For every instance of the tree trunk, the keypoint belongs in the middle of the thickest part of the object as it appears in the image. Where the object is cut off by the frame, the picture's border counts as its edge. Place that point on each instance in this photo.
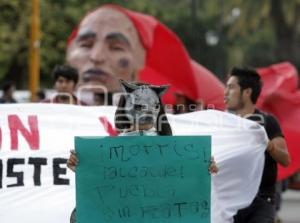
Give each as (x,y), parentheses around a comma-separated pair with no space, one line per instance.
(286,34)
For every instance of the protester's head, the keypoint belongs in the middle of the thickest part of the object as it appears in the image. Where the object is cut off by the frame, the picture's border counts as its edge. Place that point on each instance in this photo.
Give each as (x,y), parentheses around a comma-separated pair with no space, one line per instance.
(8,88)
(243,86)
(65,79)
(106,48)
(140,108)
(40,96)
(184,104)
(101,98)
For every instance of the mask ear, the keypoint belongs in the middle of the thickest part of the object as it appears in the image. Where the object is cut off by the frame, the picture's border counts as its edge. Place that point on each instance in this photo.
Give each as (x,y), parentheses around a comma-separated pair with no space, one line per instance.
(160,90)
(128,87)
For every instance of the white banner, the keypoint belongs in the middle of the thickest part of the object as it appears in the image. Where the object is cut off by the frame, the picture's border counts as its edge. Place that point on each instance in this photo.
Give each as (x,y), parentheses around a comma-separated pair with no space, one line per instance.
(35,140)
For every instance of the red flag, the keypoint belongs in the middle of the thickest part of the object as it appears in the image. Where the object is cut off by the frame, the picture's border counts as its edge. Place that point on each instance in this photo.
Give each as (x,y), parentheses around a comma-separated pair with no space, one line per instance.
(281,97)
(167,62)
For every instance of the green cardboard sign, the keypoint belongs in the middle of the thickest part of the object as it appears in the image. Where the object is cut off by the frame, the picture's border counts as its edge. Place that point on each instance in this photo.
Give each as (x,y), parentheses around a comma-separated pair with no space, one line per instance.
(136,179)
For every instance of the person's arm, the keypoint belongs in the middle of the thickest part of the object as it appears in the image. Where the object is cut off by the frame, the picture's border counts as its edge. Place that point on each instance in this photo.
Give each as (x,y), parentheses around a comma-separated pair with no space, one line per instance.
(73,160)
(277,148)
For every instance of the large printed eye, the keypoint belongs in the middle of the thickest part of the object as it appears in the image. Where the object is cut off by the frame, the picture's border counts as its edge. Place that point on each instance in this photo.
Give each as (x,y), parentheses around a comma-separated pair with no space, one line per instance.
(116,47)
(138,107)
(86,42)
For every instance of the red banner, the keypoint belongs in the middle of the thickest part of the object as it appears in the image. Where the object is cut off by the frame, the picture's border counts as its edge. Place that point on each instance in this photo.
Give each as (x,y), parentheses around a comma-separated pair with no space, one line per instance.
(281,97)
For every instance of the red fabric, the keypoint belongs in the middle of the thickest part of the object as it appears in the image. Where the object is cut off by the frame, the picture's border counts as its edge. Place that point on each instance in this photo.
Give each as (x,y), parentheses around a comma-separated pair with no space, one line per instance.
(108,126)
(209,86)
(72,36)
(167,62)
(281,97)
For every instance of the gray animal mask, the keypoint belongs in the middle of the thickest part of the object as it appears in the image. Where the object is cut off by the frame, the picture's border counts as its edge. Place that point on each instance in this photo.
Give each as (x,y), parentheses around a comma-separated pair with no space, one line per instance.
(142,102)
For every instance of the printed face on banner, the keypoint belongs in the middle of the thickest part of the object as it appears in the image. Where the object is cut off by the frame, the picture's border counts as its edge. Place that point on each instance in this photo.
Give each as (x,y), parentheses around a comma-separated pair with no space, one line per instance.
(107,48)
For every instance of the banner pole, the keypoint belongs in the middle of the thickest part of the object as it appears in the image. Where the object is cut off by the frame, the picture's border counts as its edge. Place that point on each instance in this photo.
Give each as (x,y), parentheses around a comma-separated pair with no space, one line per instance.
(34,54)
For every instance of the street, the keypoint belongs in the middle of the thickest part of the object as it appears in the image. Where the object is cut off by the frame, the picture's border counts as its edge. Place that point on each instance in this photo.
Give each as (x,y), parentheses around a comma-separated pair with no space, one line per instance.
(290,209)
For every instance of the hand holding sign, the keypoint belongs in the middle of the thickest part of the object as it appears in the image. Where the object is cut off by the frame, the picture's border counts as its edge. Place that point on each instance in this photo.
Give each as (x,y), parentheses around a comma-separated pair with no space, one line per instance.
(73,160)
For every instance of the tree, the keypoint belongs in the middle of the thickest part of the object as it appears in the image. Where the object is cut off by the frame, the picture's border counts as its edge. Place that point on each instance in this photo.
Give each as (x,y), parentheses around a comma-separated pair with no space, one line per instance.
(268,31)
(14,33)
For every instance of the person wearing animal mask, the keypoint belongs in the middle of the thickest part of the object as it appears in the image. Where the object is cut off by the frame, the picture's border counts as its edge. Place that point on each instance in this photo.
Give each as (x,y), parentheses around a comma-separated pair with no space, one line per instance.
(140,112)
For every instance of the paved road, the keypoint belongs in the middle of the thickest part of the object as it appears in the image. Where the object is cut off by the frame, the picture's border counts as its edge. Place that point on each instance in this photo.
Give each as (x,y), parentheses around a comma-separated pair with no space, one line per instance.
(290,210)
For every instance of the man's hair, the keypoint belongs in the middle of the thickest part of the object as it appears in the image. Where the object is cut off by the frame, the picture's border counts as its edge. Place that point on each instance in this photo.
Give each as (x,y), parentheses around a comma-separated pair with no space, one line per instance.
(41,94)
(7,85)
(248,78)
(65,71)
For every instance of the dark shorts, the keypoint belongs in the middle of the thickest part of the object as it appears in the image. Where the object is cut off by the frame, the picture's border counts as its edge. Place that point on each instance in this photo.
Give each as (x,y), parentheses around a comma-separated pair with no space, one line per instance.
(261,210)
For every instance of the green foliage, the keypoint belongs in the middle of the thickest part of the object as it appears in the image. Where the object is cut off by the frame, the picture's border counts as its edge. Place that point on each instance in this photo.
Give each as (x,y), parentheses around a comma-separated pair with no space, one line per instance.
(13,35)
(245,30)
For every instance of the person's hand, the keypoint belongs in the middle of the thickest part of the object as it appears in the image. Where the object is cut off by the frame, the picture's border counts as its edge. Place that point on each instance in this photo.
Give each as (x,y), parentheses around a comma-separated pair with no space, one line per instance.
(73,160)
(213,169)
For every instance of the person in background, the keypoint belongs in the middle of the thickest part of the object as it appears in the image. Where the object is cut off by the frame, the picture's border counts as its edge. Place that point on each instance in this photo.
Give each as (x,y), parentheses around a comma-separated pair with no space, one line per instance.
(140,112)
(8,89)
(184,105)
(40,96)
(101,98)
(242,90)
(65,81)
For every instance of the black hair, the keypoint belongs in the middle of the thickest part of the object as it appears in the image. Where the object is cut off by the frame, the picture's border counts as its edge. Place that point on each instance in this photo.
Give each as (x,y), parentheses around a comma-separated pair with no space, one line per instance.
(65,71)
(248,78)
(7,85)
(41,94)
(106,97)
(188,104)
(122,123)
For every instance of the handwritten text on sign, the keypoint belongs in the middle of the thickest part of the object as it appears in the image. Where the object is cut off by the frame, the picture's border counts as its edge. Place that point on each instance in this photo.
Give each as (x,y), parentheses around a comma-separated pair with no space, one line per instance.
(143,179)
